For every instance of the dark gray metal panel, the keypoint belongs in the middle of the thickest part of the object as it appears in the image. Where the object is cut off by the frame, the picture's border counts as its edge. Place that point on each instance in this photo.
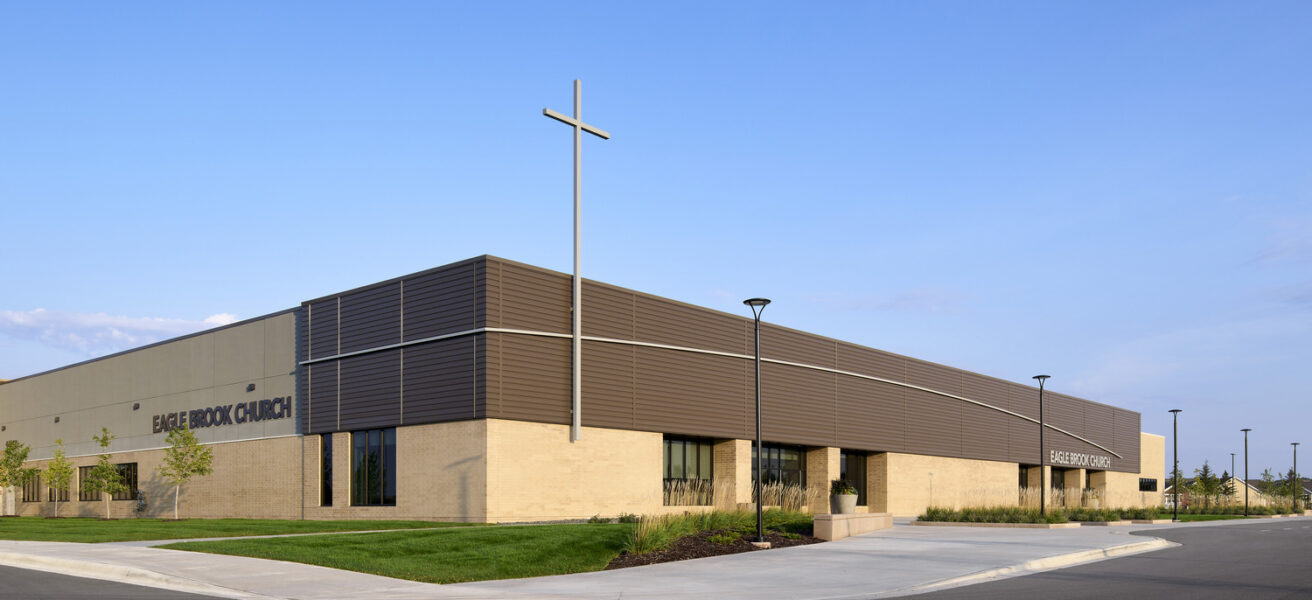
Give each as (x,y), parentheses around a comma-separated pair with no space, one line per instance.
(322,316)
(440,381)
(371,318)
(442,301)
(371,390)
(322,397)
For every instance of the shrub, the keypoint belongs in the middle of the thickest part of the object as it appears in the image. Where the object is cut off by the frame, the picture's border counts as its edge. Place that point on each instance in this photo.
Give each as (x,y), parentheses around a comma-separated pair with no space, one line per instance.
(627,518)
(840,487)
(725,538)
(598,519)
(657,532)
(992,514)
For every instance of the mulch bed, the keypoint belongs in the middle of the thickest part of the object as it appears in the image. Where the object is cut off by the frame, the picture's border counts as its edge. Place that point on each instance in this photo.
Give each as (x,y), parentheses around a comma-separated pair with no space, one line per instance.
(698,546)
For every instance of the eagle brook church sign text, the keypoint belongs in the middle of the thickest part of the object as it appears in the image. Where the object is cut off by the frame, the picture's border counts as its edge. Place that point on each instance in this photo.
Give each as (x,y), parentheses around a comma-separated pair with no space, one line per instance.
(227,414)
(1077,459)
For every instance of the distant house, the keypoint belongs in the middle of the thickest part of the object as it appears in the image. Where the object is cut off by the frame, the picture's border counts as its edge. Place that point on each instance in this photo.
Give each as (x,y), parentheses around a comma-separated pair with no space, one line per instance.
(1255,496)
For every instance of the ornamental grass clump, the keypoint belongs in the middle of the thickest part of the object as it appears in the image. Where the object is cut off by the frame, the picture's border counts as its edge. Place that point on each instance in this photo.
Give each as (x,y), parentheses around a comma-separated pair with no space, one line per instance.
(658,532)
(992,514)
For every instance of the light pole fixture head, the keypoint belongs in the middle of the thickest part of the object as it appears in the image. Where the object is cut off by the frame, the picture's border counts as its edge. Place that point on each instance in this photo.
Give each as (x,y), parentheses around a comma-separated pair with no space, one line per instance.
(757,304)
(1041,378)
(1175,410)
(1245,430)
(1294,443)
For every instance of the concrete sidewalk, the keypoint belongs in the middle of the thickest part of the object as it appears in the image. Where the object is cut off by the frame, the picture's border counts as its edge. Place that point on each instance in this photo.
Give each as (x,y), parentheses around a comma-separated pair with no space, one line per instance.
(891,562)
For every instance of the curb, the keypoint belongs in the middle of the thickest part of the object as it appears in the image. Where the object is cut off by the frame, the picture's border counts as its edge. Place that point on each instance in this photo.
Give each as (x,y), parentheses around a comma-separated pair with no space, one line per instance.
(1069,525)
(1041,564)
(121,574)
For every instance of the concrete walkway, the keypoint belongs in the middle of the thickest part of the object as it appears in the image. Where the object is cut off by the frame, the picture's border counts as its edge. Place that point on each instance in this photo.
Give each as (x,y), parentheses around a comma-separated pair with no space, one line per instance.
(893,562)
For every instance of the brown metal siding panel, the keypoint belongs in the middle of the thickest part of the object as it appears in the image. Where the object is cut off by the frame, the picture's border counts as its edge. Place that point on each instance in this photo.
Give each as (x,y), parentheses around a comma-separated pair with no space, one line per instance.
(1064,412)
(371,390)
(984,432)
(323,397)
(663,321)
(798,405)
(442,302)
(323,328)
(534,300)
(607,312)
(1125,426)
(871,415)
(1023,436)
(608,385)
(480,376)
(933,424)
(689,394)
(371,318)
(793,346)
(535,378)
(492,293)
(1098,425)
(440,381)
(867,361)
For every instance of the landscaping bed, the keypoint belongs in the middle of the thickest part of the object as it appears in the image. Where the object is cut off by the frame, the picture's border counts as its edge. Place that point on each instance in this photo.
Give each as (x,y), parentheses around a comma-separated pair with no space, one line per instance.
(91,529)
(710,543)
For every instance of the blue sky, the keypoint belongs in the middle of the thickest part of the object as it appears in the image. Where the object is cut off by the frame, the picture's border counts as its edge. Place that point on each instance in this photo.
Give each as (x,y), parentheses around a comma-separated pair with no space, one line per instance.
(1119,195)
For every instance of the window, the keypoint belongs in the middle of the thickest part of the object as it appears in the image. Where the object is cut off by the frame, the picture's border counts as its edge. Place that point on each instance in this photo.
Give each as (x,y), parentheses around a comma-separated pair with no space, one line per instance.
(326,469)
(1147,484)
(687,471)
(83,493)
(128,473)
(1024,479)
(373,467)
(1058,479)
(51,493)
(852,469)
(782,464)
(32,489)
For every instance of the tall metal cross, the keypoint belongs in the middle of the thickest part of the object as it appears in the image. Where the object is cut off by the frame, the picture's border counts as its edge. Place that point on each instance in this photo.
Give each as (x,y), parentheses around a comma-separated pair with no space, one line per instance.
(579,127)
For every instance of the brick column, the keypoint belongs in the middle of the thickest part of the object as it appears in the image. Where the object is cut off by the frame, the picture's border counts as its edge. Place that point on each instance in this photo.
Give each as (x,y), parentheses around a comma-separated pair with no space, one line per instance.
(877,482)
(733,473)
(822,466)
(341,470)
(1074,486)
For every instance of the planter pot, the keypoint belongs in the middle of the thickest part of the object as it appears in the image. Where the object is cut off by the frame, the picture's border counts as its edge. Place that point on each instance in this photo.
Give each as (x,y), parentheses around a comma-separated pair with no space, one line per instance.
(842,504)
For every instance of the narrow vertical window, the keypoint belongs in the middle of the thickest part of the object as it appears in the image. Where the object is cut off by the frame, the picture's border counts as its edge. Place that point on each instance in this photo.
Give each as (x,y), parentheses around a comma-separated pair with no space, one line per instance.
(852,469)
(687,471)
(373,467)
(32,489)
(325,469)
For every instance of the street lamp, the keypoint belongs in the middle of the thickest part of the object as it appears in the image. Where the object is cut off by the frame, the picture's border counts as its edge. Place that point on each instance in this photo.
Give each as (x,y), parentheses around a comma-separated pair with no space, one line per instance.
(758,307)
(1175,453)
(1245,470)
(1298,481)
(1043,474)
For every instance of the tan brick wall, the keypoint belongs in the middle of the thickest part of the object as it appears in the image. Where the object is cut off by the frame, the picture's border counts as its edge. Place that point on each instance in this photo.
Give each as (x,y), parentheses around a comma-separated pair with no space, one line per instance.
(257,479)
(733,472)
(822,467)
(535,473)
(441,475)
(957,482)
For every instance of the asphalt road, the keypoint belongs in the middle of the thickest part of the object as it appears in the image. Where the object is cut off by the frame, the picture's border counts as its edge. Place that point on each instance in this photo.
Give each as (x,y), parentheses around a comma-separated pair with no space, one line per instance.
(1250,561)
(36,585)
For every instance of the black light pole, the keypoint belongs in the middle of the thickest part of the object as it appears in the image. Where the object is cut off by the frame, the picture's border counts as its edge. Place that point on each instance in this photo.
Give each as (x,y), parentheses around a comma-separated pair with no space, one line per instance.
(1245,470)
(1043,475)
(758,307)
(1175,453)
(1298,481)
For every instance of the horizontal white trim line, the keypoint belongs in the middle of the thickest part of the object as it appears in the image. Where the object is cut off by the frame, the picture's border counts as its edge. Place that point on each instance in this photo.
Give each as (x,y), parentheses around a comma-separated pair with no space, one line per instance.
(254,439)
(713,353)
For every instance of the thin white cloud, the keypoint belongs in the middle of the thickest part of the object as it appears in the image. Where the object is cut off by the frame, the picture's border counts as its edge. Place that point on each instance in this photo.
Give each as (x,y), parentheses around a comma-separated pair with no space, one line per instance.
(95,334)
(1291,242)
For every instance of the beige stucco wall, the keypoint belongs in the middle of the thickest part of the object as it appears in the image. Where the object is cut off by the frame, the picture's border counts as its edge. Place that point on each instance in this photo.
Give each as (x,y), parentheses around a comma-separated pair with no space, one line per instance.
(257,479)
(204,370)
(536,474)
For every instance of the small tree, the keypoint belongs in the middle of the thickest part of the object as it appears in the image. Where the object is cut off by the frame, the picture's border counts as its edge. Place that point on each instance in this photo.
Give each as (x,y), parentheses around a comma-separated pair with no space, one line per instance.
(1206,484)
(105,476)
(184,459)
(1227,485)
(12,472)
(1268,484)
(58,473)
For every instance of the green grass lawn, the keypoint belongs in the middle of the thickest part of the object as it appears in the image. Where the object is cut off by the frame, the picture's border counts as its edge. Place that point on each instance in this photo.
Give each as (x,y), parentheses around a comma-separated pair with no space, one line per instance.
(93,530)
(444,555)
(1187,518)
